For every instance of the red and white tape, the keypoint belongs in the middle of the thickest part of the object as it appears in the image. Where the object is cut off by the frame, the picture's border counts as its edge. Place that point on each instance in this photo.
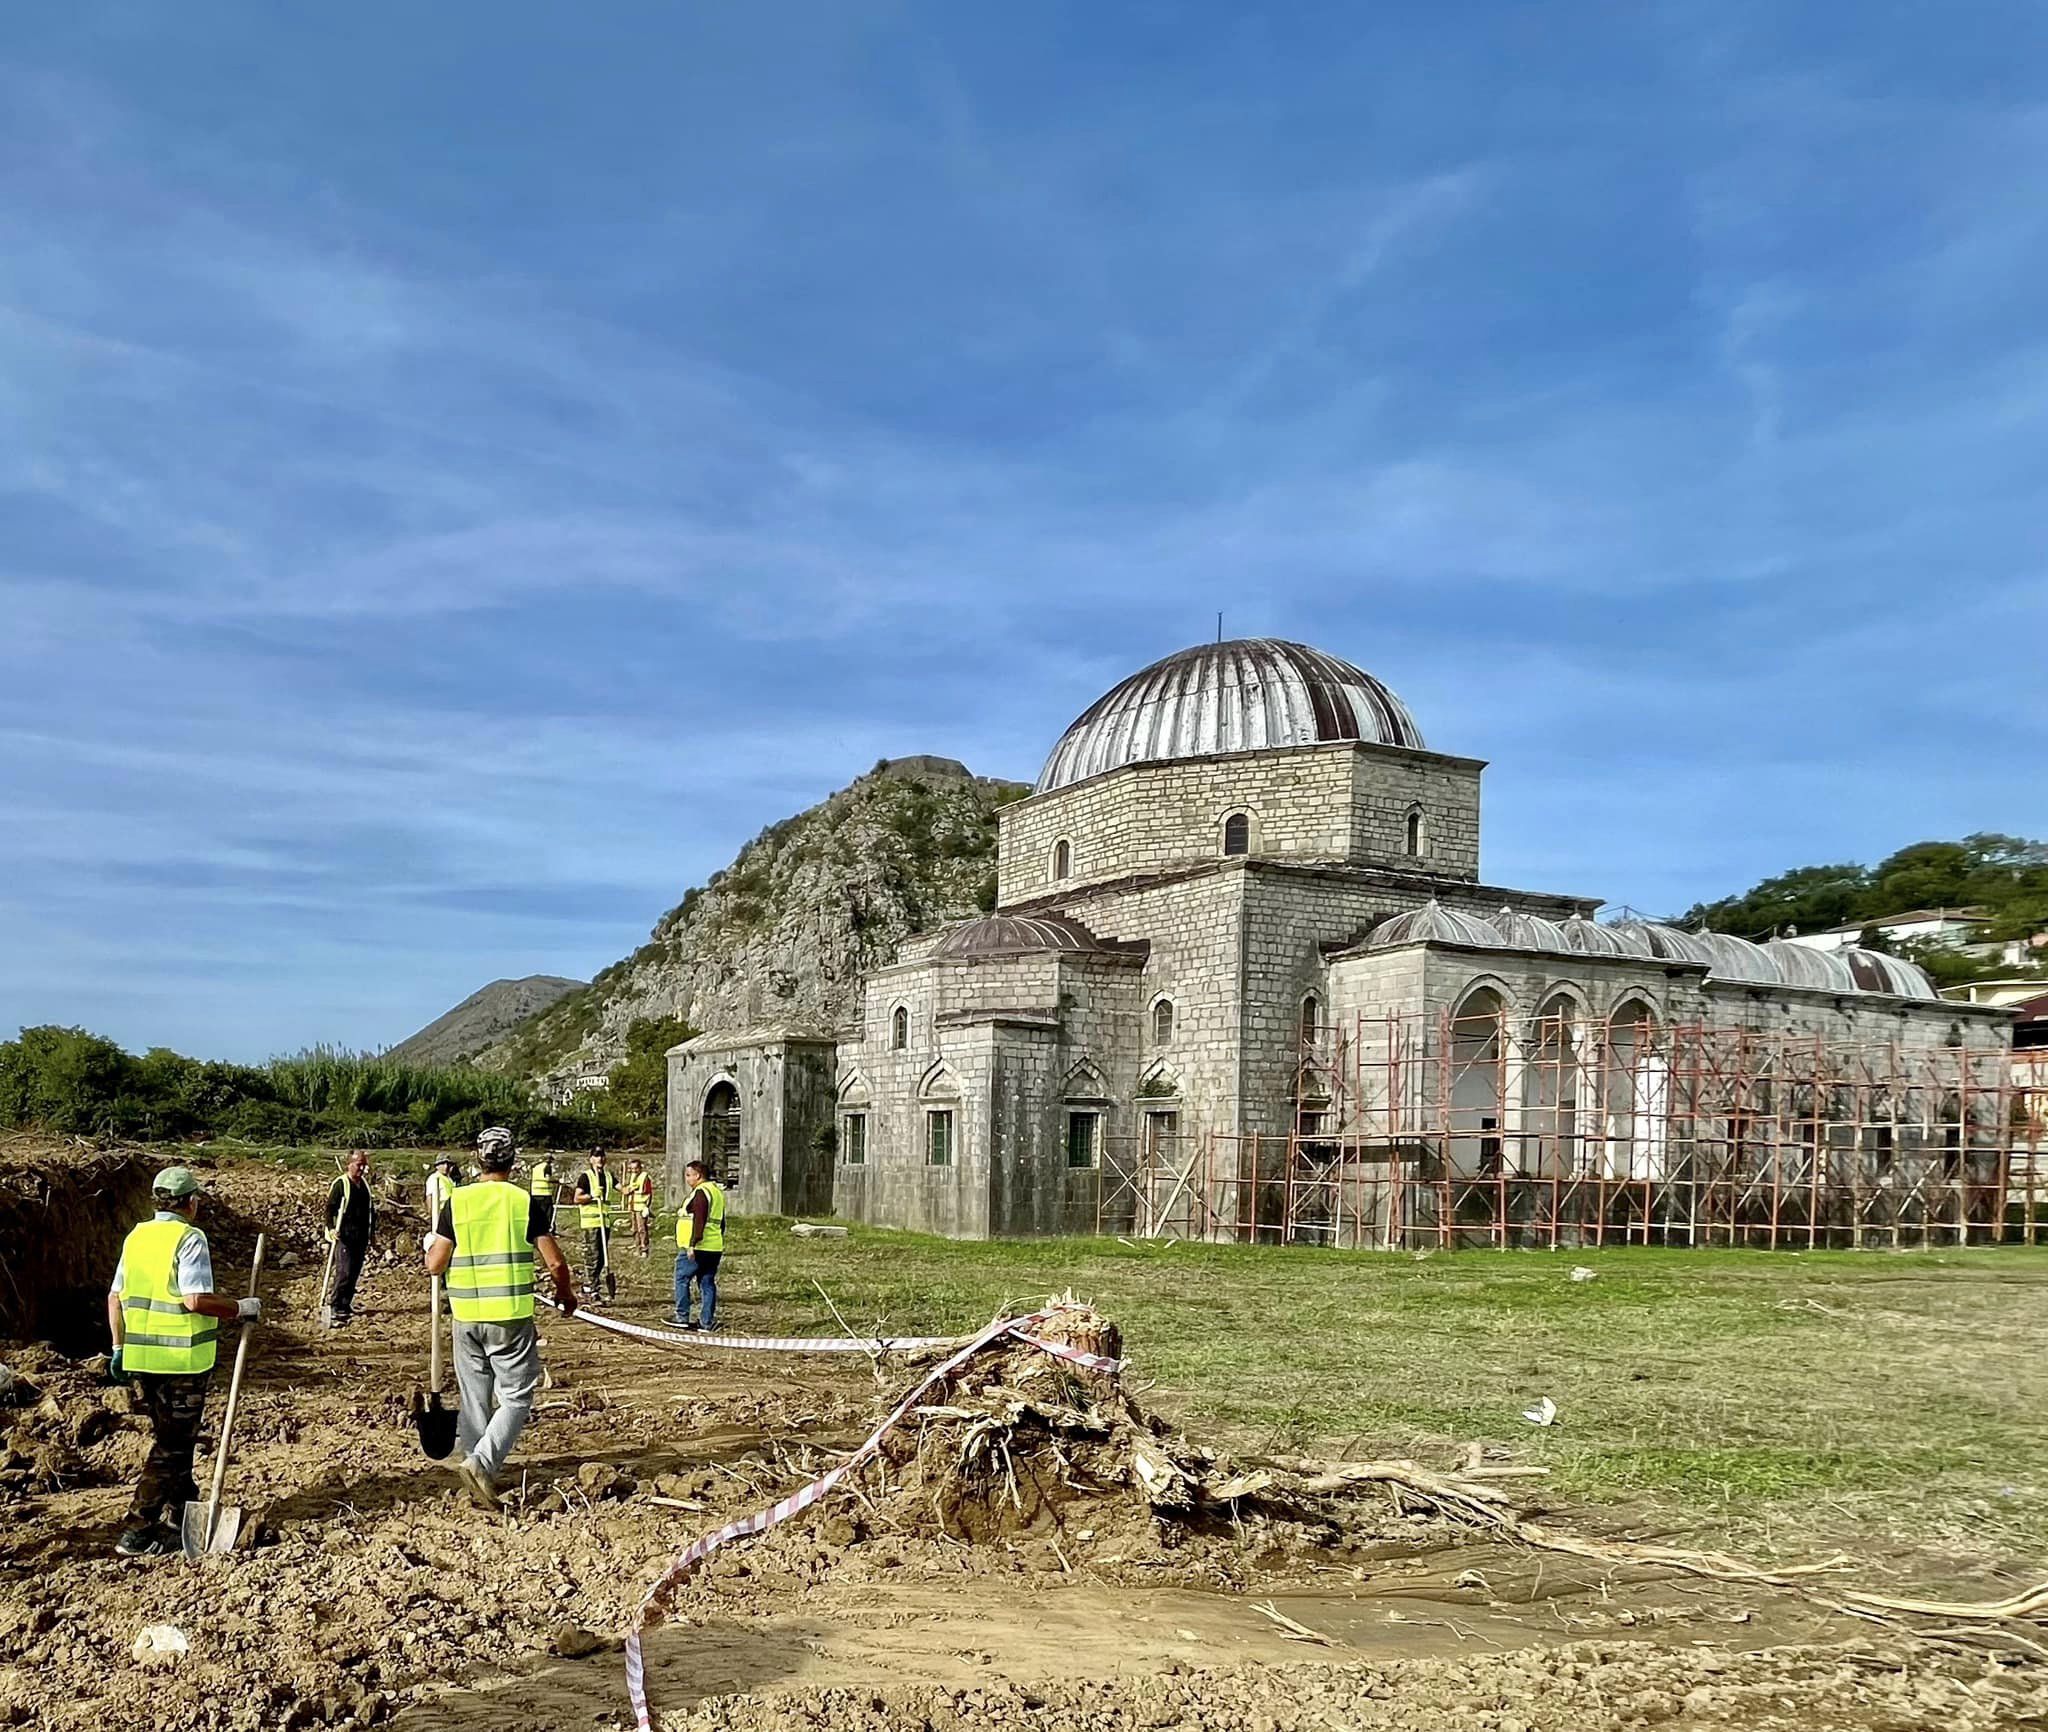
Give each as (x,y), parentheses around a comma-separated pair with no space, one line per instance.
(759,1343)
(660,1600)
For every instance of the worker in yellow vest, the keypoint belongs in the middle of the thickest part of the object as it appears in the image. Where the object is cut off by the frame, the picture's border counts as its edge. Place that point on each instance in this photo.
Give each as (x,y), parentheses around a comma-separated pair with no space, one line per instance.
(540,1175)
(640,1204)
(700,1246)
(597,1198)
(484,1241)
(164,1318)
(443,1181)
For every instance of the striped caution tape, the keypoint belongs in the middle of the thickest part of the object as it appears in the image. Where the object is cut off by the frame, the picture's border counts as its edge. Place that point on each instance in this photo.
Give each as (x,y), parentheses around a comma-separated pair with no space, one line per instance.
(760,1343)
(661,1598)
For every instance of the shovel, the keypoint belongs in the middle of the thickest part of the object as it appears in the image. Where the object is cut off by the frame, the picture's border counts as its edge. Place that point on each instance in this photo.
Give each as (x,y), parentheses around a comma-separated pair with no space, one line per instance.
(434,1423)
(207,1527)
(604,1244)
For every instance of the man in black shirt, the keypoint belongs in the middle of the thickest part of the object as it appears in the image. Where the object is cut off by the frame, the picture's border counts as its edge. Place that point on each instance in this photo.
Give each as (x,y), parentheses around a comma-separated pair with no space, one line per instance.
(350,1216)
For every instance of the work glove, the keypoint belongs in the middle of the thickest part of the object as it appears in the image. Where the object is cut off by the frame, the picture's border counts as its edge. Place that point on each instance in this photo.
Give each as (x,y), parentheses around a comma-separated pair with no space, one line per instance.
(249,1309)
(116,1371)
(426,1241)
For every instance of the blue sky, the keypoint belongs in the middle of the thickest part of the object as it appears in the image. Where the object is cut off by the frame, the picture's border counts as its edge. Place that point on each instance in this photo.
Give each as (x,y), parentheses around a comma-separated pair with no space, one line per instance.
(464,469)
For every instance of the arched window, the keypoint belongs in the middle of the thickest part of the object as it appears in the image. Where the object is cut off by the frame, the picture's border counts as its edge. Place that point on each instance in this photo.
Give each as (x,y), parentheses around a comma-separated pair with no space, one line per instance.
(1415,831)
(1162,1022)
(1311,1020)
(1062,858)
(899,1028)
(1237,834)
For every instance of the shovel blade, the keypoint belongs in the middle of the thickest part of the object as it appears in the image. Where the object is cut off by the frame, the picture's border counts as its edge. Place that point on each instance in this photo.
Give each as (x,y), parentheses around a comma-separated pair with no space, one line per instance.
(227,1528)
(436,1426)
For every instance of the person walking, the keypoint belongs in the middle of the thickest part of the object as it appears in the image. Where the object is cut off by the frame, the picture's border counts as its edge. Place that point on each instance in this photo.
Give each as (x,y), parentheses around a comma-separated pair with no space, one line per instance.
(640,1203)
(351,1213)
(484,1241)
(597,1197)
(443,1180)
(165,1320)
(700,1246)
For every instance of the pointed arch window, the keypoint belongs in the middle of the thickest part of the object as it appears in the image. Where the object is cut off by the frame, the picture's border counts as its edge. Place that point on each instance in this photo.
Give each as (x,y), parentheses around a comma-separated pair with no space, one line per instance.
(1415,832)
(899,1028)
(1162,1022)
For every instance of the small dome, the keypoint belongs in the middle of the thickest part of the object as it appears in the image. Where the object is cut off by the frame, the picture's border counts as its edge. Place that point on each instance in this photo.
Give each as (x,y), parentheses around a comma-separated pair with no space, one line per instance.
(994,935)
(1876,972)
(1589,938)
(1519,931)
(1732,958)
(1433,922)
(1802,965)
(1251,694)
(1666,943)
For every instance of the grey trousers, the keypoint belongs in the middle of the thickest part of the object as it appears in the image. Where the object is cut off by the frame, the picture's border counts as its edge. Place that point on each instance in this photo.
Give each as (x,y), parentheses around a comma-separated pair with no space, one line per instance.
(497,1368)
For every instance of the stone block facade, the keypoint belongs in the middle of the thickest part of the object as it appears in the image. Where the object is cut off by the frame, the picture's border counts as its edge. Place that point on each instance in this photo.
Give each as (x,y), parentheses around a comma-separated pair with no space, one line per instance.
(1347,803)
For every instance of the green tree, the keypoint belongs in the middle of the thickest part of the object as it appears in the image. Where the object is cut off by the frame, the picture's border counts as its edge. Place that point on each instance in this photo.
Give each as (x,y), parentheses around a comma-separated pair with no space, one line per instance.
(638,1084)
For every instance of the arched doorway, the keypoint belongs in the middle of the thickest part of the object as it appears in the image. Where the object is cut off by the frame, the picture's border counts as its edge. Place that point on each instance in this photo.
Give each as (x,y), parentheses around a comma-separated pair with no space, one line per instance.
(1638,1090)
(1477,1063)
(1553,1091)
(720,1146)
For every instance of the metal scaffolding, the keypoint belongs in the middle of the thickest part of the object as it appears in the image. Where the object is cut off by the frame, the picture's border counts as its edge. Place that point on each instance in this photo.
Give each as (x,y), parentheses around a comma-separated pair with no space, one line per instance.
(1484,1128)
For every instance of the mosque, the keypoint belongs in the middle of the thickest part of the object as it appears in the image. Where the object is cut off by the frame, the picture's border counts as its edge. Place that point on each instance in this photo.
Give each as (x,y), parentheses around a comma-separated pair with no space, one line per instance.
(1244,980)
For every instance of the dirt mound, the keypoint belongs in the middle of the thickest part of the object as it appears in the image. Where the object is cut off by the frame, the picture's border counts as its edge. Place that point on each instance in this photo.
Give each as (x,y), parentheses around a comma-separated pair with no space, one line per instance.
(1026,1463)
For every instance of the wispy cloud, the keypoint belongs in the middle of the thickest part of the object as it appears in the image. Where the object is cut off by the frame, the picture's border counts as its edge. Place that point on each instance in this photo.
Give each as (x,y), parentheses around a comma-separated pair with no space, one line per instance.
(430,545)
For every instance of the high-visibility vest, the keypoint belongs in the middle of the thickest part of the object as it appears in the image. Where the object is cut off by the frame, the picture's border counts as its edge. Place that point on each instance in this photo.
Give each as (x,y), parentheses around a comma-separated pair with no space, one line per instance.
(543,1179)
(158,1334)
(490,1277)
(640,1199)
(714,1221)
(440,1188)
(604,1206)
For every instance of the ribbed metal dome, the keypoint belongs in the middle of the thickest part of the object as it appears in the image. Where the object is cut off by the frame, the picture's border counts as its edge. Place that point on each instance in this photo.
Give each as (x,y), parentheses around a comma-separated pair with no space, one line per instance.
(1433,923)
(1014,935)
(1246,695)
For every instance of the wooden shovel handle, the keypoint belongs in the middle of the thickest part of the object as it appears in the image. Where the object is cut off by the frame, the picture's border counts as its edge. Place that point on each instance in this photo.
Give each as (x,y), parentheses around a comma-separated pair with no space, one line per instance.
(227,1421)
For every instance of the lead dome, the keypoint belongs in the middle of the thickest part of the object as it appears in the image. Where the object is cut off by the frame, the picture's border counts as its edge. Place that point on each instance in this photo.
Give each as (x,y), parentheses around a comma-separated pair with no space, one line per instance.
(1246,695)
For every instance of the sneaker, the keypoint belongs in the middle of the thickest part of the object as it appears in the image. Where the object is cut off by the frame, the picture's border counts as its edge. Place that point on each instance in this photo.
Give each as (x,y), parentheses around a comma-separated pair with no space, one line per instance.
(481,1492)
(144,1543)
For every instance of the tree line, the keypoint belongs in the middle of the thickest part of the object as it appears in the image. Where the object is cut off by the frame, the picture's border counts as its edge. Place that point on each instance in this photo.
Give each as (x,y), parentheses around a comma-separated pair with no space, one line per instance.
(73,1082)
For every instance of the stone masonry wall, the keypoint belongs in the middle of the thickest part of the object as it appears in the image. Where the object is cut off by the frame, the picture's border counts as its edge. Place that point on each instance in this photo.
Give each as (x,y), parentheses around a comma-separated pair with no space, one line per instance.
(1340,803)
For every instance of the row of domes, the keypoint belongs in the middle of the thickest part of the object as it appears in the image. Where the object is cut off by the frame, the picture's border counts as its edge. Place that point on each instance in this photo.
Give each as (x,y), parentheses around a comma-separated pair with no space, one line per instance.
(1725,957)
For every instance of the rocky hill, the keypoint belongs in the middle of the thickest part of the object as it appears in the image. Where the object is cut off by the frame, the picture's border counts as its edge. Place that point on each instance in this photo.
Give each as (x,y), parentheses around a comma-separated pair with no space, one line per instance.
(785,932)
(483,1018)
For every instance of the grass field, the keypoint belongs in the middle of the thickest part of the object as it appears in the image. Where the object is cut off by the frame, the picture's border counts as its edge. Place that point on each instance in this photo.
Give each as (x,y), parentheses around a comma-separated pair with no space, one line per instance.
(1781,1400)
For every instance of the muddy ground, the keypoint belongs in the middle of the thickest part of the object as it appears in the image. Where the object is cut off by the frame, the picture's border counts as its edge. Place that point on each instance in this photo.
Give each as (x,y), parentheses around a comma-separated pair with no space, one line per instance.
(375,1596)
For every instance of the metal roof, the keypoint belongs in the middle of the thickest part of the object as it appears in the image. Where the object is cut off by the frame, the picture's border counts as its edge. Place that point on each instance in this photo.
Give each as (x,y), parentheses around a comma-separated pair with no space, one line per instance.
(1725,956)
(1434,923)
(1249,694)
(1015,935)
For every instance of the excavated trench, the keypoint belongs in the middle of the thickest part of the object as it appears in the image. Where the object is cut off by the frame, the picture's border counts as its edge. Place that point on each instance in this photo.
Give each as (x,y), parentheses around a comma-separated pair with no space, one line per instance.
(63,1215)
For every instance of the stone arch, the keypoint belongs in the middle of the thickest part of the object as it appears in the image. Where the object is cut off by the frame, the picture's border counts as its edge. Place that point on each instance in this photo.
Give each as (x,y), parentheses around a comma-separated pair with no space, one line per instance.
(1084,1082)
(939,1083)
(899,1028)
(719,1127)
(1554,1082)
(1478,1050)
(1635,1091)
(854,1090)
(1162,1017)
(1311,1017)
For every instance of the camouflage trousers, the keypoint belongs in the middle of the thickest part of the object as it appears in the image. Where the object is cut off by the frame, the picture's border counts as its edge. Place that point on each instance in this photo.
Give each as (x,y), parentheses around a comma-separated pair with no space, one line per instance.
(175,1406)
